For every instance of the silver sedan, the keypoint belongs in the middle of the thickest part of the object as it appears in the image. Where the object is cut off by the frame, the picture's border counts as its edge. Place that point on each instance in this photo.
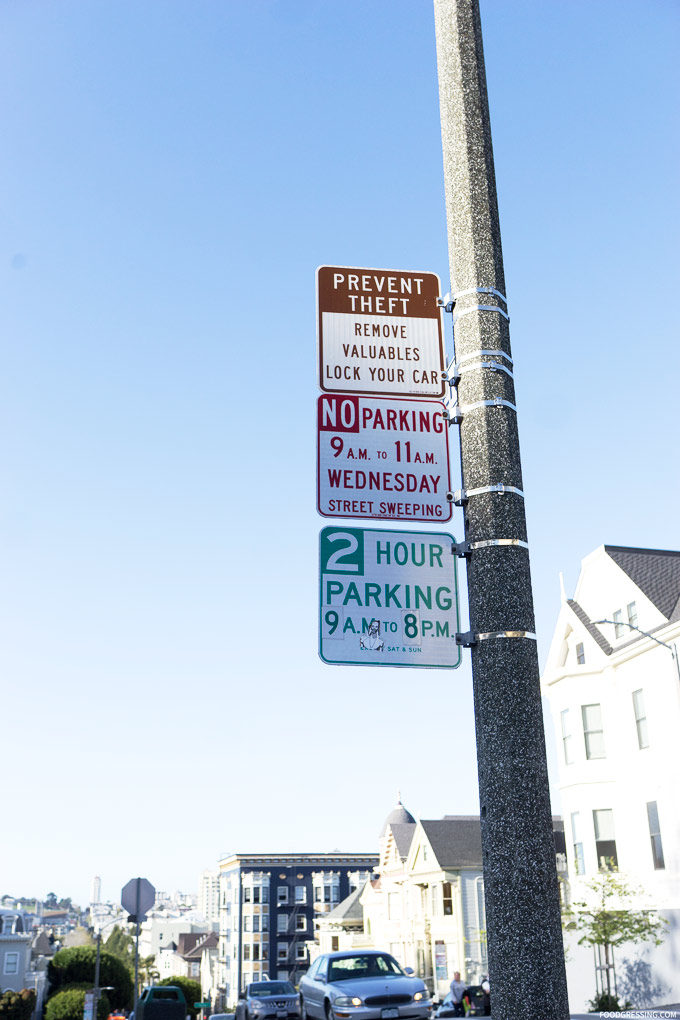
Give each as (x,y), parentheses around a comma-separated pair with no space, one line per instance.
(366,985)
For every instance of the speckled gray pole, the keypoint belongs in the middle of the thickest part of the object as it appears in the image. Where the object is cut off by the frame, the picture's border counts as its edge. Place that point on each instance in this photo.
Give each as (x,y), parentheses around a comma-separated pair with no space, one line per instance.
(526,959)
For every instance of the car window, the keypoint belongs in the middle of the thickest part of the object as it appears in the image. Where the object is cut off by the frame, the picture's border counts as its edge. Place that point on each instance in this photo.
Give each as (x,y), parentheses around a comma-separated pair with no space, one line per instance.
(262,988)
(349,968)
(315,966)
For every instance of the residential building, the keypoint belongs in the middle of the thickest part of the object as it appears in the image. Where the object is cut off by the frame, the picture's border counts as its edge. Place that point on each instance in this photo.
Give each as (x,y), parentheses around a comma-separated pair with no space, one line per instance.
(183,958)
(425,904)
(268,903)
(23,963)
(157,933)
(614,694)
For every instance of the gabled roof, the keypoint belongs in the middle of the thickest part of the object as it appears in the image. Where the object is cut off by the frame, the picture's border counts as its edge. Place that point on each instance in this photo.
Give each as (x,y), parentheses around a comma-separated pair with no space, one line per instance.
(402,833)
(349,909)
(205,940)
(590,626)
(656,572)
(456,841)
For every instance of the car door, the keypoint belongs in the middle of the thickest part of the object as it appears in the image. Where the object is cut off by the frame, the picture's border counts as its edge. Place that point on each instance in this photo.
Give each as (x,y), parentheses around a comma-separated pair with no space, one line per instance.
(315,987)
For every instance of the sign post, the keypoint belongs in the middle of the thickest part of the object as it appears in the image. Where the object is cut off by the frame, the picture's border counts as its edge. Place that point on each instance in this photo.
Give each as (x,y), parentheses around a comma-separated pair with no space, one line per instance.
(380,332)
(137,896)
(388,598)
(383,458)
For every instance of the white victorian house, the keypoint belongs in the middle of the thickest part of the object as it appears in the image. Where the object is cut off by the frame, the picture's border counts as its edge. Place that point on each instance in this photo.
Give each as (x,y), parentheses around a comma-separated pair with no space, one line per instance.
(614,694)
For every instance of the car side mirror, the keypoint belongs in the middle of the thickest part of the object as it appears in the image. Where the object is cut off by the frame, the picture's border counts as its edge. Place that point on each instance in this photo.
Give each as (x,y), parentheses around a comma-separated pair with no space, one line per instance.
(319,977)
(409,971)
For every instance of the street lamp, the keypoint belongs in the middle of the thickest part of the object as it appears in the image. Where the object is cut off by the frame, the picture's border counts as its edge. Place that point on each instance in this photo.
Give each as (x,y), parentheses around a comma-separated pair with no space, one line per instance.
(97,989)
(664,644)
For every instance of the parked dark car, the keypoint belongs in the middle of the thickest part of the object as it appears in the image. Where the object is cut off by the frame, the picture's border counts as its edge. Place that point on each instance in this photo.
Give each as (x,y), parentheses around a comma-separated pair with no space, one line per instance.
(161,1002)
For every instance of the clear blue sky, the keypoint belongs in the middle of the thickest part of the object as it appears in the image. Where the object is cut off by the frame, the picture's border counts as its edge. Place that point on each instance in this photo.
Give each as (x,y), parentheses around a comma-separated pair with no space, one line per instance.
(172,172)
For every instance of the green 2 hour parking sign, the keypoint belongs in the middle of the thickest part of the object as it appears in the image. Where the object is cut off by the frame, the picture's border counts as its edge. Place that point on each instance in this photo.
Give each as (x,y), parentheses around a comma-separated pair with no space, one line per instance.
(388,598)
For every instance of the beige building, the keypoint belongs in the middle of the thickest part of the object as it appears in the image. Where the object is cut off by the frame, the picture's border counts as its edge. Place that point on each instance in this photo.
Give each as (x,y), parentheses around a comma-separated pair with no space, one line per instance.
(425,905)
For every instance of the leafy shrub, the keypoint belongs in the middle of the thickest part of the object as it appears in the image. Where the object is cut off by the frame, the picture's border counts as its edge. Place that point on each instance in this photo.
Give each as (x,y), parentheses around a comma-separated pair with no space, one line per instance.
(17,1005)
(76,966)
(69,1003)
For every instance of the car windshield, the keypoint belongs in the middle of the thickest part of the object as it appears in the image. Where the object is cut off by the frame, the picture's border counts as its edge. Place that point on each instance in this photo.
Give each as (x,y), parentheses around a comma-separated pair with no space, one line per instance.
(271,988)
(348,968)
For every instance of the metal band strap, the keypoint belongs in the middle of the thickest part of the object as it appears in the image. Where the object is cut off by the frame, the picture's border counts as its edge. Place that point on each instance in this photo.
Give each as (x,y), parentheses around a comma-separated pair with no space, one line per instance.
(460,496)
(480,308)
(496,402)
(495,366)
(481,354)
(506,633)
(479,290)
(487,542)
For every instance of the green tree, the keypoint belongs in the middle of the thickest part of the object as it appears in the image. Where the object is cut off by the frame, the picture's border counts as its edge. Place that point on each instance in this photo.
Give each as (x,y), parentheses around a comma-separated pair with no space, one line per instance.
(147,969)
(76,966)
(121,944)
(17,1005)
(51,901)
(69,1003)
(607,919)
(191,989)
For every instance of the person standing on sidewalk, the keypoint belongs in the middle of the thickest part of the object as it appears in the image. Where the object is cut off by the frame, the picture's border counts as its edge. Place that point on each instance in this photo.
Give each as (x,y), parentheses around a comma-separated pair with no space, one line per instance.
(457,990)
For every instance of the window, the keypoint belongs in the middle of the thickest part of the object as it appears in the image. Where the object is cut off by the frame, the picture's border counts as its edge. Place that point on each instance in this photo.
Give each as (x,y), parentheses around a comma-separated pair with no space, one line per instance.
(631,609)
(318,894)
(605,843)
(580,654)
(640,719)
(327,894)
(447,898)
(579,863)
(264,922)
(300,894)
(247,919)
(256,922)
(655,835)
(592,731)
(264,952)
(247,891)
(281,922)
(301,951)
(566,736)
(256,951)
(265,894)
(335,943)
(282,951)
(300,923)
(11,963)
(282,894)
(256,894)
(394,906)
(619,627)
(246,951)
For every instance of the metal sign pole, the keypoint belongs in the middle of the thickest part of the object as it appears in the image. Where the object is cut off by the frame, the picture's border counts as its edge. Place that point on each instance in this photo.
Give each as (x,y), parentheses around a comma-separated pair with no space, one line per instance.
(526,957)
(137,908)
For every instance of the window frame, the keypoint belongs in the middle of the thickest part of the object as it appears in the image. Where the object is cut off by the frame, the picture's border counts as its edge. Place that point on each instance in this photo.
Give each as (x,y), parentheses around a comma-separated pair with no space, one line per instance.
(589,734)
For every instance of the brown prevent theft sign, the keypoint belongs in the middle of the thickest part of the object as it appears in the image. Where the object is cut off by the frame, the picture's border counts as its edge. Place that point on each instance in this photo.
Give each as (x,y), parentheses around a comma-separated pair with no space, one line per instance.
(380,332)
